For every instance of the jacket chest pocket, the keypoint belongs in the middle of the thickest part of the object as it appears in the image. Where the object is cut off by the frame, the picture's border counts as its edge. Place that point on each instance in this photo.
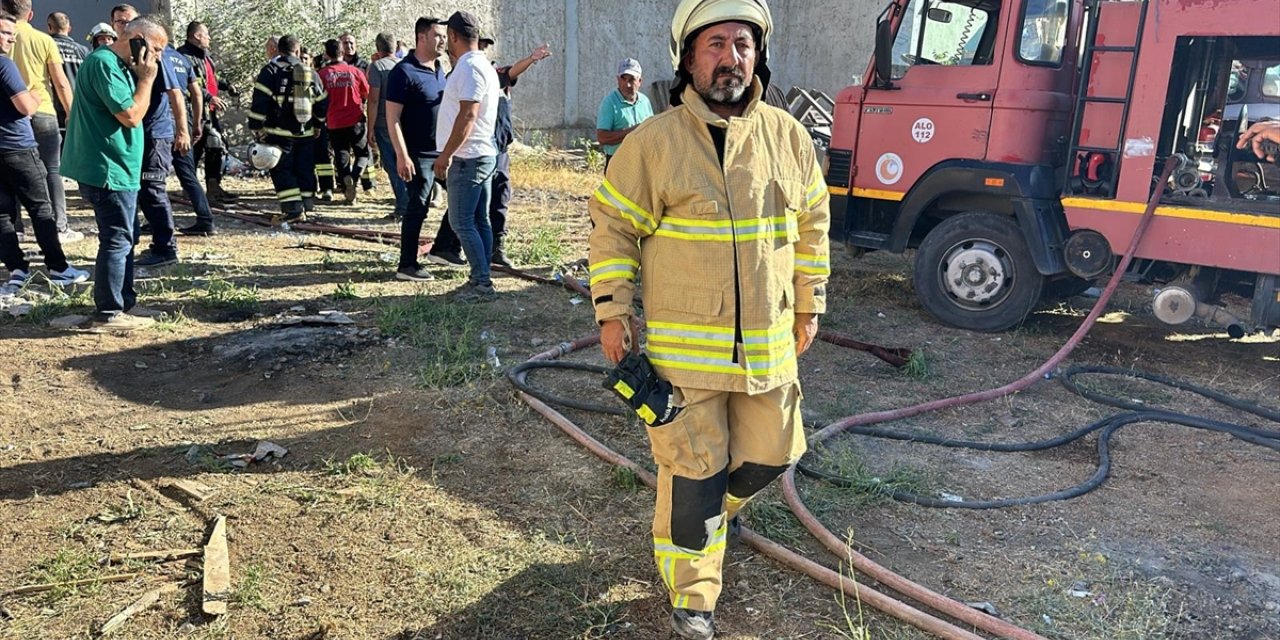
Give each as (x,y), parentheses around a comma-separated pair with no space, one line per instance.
(787,201)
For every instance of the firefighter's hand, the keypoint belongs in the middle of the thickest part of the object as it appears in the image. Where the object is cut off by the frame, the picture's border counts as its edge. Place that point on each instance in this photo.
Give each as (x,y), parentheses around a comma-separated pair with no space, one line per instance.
(1267,130)
(613,340)
(218,103)
(182,143)
(441,167)
(405,168)
(806,330)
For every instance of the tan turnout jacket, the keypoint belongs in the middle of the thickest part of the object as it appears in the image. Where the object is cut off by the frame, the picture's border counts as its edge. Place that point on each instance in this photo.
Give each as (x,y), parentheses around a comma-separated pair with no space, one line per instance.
(727,254)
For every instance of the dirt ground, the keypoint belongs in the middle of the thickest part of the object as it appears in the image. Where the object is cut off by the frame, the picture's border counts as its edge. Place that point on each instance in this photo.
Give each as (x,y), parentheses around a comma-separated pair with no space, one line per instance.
(421,499)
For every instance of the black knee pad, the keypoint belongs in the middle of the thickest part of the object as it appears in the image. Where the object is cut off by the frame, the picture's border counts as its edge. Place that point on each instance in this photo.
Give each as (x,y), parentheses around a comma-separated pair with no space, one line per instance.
(693,502)
(750,478)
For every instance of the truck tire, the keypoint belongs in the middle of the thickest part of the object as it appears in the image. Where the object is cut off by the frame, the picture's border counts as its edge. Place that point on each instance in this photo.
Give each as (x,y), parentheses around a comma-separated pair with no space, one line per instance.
(973,271)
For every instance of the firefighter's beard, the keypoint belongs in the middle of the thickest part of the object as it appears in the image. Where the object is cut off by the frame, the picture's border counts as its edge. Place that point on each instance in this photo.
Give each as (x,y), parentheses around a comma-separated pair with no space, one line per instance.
(727,86)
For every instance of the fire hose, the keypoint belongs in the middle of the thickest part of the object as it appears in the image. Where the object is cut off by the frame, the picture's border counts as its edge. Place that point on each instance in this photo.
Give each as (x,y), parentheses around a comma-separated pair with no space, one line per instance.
(914,591)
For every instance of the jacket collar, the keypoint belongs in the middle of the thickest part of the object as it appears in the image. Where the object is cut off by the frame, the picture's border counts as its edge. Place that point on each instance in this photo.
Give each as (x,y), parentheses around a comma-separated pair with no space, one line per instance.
(699,107)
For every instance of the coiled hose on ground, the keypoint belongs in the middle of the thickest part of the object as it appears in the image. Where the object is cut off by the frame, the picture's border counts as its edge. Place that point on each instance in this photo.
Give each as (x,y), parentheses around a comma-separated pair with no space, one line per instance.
(891,606)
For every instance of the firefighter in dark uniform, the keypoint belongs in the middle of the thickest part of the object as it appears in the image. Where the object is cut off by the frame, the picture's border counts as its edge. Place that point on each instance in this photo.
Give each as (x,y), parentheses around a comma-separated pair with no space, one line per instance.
(325,171)
(288,111)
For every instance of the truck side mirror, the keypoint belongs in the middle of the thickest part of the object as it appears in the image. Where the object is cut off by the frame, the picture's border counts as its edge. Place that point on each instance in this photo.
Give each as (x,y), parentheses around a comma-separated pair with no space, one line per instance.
(884,55)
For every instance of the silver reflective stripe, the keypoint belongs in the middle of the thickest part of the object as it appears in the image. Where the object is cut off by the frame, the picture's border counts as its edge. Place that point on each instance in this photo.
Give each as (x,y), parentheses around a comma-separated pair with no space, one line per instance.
(725,337)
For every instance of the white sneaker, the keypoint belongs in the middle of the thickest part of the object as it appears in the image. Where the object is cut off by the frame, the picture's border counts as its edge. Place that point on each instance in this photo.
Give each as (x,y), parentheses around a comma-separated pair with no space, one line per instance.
(69,236)
(17,279)
(68,276)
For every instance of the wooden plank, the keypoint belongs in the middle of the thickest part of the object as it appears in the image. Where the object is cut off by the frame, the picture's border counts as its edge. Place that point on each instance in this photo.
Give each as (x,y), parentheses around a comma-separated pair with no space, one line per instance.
(168,554)
(36,589)
(146,601)
(195,490)
(217,570)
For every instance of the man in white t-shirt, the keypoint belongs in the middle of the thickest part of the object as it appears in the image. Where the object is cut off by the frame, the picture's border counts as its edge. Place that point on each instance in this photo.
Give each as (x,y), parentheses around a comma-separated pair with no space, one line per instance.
(468,152)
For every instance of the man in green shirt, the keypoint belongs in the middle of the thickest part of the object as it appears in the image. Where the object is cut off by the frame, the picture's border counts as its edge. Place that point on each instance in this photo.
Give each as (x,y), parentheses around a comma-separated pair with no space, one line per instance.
(623,109)
(104,154)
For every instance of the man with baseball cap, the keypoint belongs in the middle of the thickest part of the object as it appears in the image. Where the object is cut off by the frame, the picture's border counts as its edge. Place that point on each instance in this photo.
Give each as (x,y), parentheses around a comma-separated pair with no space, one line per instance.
(468,152)
(728,188)
(623,109)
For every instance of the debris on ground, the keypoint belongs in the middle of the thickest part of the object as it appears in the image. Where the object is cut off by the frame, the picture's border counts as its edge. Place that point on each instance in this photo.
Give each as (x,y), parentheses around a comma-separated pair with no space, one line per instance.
(217,570)
(197,491)
(41,588)
(265,452)
(330,317)
(146,601)
(162,556)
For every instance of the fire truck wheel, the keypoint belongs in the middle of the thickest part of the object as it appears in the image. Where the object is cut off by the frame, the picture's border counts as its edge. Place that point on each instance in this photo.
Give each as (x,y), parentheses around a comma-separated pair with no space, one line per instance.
(974,271)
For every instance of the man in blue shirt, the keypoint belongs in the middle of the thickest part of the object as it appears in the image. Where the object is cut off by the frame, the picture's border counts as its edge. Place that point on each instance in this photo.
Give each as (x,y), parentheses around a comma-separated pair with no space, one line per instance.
(22,180)
(414,91)
(623,109)
(160,131)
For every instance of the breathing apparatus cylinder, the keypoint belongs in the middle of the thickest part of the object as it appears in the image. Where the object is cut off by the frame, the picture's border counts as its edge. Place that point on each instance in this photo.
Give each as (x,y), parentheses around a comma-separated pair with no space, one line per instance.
(301,97)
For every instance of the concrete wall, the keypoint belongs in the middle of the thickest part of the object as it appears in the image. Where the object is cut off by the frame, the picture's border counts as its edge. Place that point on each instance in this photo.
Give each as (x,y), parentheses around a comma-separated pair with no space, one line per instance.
(818,44)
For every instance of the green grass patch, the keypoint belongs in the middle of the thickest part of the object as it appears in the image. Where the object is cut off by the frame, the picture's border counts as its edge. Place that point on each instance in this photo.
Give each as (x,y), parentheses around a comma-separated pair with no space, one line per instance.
(248,591)
(626,480)
(871,487)
(222,294)
(345,291)
(546,247)
(67,565)
(917,367)
(447,334)
(360,464)
(774,521)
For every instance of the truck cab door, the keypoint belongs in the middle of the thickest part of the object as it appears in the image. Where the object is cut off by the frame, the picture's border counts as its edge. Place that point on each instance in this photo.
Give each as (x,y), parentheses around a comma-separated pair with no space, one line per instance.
(946,63)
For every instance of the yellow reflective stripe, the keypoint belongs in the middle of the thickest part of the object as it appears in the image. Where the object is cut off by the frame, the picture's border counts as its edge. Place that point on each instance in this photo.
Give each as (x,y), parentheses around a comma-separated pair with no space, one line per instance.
(685,340)
(257,116)
(625,389)
(323,96)
(258,86)
(729,498)
(726,230)
(647,414)
(640,219)
(705,328)
(619,268)
(816,190)
(812,264)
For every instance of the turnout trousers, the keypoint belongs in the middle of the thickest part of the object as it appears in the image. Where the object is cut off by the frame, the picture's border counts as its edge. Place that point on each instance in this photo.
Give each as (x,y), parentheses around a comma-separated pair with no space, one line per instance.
(294,177)
(718,453)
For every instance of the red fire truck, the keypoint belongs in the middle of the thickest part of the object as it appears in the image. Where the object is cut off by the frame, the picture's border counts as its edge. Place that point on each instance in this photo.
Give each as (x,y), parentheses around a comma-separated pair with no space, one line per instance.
(1014,143)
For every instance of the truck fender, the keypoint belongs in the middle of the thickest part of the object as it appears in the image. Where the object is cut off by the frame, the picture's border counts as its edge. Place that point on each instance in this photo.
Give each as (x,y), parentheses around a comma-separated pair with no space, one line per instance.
(1027,192)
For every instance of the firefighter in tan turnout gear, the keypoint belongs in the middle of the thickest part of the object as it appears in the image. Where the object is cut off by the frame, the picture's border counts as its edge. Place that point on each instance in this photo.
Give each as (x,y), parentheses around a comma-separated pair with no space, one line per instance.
(720,208)
(288,112)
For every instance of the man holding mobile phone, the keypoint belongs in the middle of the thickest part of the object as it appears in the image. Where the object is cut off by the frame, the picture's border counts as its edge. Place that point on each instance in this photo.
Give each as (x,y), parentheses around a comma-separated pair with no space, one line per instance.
(104,154)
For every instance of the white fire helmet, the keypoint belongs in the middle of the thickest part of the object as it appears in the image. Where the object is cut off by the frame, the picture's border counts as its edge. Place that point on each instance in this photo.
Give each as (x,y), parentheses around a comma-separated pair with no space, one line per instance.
(692,15)
(264,156)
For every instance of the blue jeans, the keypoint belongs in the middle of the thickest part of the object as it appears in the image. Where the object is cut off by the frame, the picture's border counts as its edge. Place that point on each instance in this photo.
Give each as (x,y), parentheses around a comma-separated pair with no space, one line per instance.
(470,184)
(184,165)
(115,212)
(387,156)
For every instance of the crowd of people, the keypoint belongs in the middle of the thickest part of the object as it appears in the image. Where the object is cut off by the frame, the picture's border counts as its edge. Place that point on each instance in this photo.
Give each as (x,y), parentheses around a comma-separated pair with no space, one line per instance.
(118,116)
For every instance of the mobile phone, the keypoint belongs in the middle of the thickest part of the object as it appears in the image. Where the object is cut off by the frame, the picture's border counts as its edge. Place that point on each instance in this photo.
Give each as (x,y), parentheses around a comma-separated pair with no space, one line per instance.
(136,45)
